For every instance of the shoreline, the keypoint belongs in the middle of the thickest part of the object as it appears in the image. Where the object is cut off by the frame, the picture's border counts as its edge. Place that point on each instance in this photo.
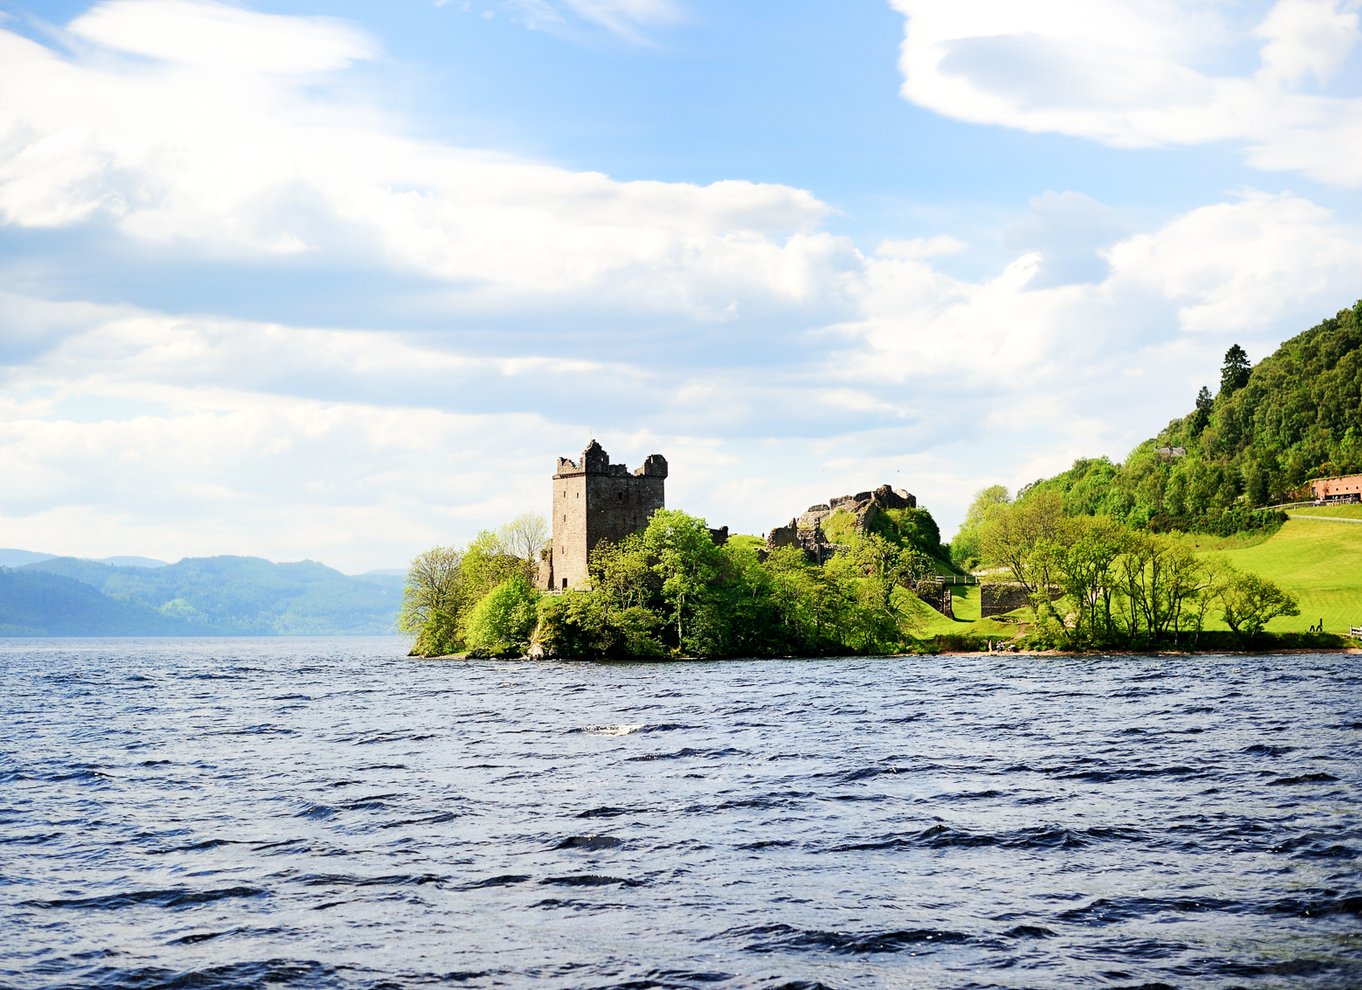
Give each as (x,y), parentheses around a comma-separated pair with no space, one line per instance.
(1033,654)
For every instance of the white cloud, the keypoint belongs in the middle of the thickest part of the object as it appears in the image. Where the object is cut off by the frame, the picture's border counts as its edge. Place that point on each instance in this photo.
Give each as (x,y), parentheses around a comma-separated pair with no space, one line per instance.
(921,247)
(237,148)
(1258,264)
(211,36)
(1139,73)
(1249,265)
(774,363)
(1307,38)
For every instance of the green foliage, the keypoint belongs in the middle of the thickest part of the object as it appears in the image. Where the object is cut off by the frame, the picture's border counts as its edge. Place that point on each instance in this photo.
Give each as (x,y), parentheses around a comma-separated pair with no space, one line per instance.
(910,528)
(670,589)
(1094,582)
(588,624)
(500,623)
(684,556)
(1234,373)
(965,550)
(1248,602)
(445,586)
(1295,416)
(1201,414)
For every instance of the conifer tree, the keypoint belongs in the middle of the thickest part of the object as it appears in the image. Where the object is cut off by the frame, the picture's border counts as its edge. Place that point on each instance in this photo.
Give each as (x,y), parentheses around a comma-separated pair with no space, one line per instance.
(1234,373)
(1202,415)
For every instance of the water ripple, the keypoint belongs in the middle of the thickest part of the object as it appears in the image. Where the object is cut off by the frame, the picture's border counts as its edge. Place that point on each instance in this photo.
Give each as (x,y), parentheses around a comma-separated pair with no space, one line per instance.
(329,813)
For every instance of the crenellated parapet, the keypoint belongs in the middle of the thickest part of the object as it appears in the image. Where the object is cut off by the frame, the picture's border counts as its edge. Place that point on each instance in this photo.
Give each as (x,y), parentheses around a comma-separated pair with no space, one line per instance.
(595,460)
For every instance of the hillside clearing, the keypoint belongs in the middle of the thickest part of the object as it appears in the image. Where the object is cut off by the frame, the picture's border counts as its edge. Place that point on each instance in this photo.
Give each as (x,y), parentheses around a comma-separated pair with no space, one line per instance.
(1319,562)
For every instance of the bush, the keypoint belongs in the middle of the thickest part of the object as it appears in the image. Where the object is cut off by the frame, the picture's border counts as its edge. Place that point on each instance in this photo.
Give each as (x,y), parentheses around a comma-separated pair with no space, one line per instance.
(501,622)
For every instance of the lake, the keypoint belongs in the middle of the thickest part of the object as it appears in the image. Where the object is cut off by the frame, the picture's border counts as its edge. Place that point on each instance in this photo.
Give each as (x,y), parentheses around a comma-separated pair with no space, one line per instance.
(329,813)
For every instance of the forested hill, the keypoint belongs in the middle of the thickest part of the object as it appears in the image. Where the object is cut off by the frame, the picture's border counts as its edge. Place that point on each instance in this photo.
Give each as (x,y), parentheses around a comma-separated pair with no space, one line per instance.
(197,596)
(1267,430)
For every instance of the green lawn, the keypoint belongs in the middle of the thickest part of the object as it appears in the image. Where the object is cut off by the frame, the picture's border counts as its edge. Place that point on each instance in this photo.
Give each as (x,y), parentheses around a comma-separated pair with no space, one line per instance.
(1320,562)
(1346,511)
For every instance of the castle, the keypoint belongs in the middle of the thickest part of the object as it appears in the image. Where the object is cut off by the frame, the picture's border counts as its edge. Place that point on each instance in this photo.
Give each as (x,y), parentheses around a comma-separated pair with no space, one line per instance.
(594,500)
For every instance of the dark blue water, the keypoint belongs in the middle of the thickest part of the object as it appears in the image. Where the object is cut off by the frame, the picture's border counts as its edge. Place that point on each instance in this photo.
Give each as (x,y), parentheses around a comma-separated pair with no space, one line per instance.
(327,813)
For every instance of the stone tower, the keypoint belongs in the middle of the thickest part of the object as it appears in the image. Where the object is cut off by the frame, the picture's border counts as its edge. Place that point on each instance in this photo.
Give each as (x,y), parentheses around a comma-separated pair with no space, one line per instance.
(595,500)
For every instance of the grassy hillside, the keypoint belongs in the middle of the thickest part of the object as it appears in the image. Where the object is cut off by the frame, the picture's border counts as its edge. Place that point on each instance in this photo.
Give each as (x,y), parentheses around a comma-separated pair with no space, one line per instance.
(1320,562)
(1296,415)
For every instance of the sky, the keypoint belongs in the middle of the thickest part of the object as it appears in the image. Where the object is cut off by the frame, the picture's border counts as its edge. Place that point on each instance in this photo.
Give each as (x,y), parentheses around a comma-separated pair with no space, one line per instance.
(339,280)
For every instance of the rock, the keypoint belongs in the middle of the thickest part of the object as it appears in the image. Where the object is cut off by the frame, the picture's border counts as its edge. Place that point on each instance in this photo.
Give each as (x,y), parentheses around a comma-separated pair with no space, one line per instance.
(893,498)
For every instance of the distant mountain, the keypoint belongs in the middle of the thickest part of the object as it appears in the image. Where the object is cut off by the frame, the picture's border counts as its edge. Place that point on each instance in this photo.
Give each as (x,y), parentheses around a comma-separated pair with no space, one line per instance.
(19,558)
(209,596)
(132,561)
(52,605)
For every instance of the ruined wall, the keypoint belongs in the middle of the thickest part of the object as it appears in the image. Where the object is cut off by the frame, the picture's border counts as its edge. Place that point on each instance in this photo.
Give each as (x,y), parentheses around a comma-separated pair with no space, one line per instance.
(806,530)
(998,599)
(595,500)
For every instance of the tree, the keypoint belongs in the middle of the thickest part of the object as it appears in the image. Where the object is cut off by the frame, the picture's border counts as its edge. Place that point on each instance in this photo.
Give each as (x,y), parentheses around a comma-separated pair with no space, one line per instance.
(965,546)
(1010,533)
(487,562)
(1201,415)
(1234,373)
(1086,574)
(685,557)
(1248,603)
(501,622)
(525,536)
(431,601)
(622,572)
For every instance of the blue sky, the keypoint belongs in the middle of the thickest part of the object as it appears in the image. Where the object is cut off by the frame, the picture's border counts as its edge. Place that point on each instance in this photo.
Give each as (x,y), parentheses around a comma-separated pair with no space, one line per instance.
(341,280)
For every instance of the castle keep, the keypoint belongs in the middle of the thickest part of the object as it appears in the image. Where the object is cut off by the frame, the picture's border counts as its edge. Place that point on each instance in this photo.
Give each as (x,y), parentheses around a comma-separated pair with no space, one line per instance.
(595,500)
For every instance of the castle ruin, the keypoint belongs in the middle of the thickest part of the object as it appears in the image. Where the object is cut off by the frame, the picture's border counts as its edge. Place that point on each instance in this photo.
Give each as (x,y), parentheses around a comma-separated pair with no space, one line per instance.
(594,500)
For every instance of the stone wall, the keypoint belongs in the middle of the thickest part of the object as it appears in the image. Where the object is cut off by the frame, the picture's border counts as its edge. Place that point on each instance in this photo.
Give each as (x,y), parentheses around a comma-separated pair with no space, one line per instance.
(999,599)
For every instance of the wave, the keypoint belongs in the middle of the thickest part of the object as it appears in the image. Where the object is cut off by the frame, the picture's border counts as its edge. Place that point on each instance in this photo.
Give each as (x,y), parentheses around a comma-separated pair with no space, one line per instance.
(589,843)
(591,880)
(174,897)
(1305,778)
(784,938)
(1037,837)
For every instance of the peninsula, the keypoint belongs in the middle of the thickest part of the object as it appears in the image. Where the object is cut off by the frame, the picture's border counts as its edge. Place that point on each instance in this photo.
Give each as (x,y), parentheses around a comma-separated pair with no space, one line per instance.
(1234,528)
